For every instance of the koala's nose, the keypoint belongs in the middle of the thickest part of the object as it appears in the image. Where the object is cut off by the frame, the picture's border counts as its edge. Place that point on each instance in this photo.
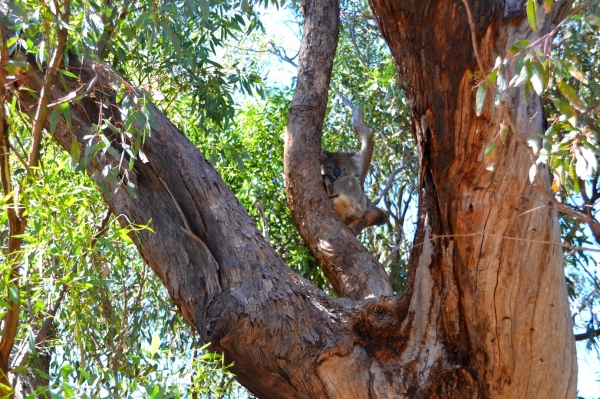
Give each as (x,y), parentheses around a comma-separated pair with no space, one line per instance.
(337,172)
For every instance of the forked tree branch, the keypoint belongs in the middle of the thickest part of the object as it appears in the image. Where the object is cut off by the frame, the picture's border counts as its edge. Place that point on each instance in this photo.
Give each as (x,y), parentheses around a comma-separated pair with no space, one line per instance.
(351,269)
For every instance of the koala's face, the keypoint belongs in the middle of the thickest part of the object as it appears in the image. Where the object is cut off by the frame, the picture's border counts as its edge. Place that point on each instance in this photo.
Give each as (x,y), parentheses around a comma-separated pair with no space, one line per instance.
(339,164)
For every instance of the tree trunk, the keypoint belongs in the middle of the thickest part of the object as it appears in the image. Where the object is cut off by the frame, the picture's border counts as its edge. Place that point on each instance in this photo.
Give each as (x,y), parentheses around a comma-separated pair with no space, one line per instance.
(485,312)
(501,309)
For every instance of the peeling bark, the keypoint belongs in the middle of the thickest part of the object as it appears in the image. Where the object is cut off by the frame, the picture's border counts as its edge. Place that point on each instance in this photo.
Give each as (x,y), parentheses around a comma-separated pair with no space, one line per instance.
(505,313)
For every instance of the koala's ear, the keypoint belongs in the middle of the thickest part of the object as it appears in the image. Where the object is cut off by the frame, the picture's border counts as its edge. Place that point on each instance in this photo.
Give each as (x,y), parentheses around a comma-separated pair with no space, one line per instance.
(324,155)
(356,161)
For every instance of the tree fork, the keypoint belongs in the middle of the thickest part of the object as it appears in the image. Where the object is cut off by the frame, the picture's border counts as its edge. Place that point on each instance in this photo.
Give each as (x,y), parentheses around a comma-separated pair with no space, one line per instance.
(482,317)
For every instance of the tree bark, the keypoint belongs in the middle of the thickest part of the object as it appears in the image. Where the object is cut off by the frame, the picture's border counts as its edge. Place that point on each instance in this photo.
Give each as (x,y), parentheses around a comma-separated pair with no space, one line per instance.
(352,270)
(485,312)
(502,306)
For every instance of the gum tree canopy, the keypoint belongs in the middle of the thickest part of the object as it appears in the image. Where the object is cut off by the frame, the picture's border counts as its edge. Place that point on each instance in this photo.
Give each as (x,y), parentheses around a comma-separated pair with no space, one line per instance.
(485,311)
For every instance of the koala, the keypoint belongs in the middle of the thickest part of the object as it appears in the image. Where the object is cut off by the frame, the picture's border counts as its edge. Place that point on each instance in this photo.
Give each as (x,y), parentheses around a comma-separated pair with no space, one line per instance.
(341,176)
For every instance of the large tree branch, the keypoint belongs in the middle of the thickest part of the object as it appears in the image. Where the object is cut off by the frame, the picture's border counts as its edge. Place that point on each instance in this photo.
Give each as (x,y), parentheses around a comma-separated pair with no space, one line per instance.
(351,269)
(472,321)
(228,282)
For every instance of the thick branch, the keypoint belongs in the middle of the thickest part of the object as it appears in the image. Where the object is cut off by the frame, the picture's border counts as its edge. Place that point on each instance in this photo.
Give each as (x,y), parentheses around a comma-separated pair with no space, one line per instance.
(16,226)
(352,270)
(220,271)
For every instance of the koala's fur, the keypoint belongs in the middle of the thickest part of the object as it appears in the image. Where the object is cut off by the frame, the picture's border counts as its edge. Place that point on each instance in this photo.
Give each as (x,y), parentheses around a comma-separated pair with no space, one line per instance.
(341,171)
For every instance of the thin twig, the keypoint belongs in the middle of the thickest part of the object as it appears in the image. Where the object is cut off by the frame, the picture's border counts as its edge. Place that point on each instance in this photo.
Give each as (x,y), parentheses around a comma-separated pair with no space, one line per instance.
(342,97)
(277,51)
(388,186)
(265,223)
(392,253)
(473,36)
(19,157)
(41,113)
(587,335)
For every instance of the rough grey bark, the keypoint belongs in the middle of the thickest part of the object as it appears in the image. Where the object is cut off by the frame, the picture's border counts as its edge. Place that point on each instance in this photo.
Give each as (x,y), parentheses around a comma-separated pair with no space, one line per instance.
(483,316)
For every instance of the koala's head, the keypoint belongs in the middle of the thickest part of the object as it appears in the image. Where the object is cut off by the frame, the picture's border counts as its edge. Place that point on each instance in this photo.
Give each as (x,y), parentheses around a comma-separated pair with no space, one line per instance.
(339,164)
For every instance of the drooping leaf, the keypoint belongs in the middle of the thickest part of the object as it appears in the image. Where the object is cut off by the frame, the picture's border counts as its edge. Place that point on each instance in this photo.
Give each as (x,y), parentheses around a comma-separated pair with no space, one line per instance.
(540,77)
(532,8)
(154,344)
(490,149)
(572,96)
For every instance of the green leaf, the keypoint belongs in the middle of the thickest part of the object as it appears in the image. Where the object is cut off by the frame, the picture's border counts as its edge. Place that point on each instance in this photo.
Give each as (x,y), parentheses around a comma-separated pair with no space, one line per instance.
(141,19)
(13,293)
(540,77)
(576,73)
(492,76)
(504,130)
(64,109)
(11,41)
(518,46)
(6,389)
(124,236)
(567,113)
(480,97)
(548,5)
(75,152)
(573,176)
(154,344)
(31,341)
(572,96)
(68,74)
(489,150)
(519,73)
(532,8)
(54,119)
(66,370)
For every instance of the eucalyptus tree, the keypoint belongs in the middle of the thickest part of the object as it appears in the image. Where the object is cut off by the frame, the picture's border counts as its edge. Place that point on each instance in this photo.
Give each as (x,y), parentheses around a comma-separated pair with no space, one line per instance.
(484,310)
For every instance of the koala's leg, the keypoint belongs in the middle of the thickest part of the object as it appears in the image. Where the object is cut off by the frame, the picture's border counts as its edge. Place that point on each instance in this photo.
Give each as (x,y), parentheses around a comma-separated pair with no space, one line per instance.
(348,198)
